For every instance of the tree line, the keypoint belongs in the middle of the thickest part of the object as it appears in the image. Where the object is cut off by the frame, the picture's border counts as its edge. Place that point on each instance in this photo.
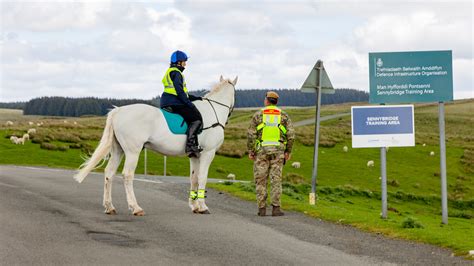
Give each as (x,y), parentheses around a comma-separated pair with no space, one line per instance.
(13,105)
(75,107)
(293,97)
(65,106)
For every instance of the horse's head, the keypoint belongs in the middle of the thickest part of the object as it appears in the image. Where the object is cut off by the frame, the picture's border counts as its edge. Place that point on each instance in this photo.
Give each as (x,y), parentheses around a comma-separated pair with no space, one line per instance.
(223,91)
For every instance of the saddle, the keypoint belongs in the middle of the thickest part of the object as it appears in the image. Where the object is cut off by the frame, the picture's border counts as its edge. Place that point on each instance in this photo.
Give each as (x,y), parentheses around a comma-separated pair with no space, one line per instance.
(175,122)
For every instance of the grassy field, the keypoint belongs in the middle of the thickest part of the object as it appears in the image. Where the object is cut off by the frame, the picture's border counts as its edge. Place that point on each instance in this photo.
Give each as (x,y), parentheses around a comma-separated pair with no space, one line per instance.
(348,191)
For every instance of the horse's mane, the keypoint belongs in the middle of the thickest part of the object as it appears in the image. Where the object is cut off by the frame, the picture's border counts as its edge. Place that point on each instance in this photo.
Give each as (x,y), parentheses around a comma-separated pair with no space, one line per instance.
(217,87)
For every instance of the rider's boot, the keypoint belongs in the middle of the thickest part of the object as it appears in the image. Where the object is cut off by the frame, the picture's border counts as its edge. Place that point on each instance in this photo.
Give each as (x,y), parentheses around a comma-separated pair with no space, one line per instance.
(192,146)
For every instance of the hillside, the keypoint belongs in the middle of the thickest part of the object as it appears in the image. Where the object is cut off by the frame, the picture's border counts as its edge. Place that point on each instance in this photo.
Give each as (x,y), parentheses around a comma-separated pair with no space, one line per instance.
(348,190)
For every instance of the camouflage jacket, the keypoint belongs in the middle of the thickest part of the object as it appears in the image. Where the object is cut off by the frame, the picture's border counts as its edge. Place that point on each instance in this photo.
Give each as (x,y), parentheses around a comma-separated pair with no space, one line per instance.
(253,135)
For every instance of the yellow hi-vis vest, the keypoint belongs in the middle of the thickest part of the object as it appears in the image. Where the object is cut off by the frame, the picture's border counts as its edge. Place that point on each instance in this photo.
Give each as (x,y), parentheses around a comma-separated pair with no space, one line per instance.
(168,83)
(271,126)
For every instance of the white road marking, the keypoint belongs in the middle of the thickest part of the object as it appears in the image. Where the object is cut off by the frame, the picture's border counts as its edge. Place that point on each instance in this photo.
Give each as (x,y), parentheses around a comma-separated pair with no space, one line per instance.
(149,181)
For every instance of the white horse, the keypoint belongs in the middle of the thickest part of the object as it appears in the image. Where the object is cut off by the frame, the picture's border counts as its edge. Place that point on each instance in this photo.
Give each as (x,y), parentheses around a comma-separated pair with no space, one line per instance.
(130,128)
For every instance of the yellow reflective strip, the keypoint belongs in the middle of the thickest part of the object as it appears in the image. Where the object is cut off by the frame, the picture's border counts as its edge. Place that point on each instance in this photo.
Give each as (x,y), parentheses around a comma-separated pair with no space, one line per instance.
(201,193)
(270,143)
(260,126)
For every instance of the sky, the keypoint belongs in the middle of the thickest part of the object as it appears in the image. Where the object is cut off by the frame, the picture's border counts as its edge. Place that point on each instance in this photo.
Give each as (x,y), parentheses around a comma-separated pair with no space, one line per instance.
(121,49)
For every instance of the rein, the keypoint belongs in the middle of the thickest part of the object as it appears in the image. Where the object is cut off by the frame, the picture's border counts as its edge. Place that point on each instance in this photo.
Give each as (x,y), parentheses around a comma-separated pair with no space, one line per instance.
(218,123)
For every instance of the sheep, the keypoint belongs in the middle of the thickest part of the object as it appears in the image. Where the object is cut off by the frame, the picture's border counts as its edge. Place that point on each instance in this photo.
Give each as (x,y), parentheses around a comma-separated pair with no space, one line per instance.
(26,136)
(75,123)
(17,140)
(31,123)
(296,165)
(20,141)
(345,149)
(424,144)
(231,176)
(9,123)
(31,131)
(432,153)
(65,122)
(370,164)
(13,139)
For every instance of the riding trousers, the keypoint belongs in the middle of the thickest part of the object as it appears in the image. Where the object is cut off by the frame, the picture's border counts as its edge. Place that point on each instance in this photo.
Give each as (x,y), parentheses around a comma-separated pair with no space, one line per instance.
(189,114)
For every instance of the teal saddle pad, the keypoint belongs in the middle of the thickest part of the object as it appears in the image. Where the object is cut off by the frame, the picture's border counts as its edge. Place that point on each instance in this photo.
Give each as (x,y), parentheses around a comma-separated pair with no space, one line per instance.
(175,122)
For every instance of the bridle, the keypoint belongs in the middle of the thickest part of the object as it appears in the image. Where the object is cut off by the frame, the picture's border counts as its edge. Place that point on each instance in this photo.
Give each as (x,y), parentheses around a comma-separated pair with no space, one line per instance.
(231,109)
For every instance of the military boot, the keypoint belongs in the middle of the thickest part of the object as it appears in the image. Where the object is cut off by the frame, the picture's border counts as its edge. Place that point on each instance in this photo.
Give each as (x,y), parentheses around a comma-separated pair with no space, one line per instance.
(262,211)
(276,211)
(192,147)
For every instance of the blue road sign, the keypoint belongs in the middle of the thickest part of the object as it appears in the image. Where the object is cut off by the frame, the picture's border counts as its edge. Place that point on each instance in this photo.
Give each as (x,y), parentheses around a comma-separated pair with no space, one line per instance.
(383,126)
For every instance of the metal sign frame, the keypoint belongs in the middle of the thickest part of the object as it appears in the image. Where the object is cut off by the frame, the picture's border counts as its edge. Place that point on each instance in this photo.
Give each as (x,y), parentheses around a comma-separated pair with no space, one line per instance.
(317,81)
(405,70)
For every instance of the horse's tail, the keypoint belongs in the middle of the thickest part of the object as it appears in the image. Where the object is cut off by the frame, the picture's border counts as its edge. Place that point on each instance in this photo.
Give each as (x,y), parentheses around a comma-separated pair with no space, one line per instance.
(101,151)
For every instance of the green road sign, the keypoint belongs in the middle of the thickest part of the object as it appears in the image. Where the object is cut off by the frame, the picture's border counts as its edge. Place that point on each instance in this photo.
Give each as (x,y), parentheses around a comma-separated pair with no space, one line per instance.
(409,77)
(312,81)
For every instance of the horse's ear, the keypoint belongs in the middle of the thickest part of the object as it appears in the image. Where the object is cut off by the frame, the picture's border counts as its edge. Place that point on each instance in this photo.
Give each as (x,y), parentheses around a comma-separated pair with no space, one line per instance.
(235,80)
(221,79)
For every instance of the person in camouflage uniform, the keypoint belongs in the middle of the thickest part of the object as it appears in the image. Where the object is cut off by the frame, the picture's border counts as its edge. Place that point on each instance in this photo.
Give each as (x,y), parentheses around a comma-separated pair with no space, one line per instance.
(269,141)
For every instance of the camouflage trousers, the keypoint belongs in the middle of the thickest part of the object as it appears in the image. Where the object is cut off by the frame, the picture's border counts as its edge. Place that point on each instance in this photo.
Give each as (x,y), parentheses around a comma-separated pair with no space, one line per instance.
(268,166)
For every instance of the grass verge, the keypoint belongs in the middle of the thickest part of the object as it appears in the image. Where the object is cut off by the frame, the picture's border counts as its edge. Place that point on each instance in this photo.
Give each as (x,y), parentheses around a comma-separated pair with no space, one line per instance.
(406,220)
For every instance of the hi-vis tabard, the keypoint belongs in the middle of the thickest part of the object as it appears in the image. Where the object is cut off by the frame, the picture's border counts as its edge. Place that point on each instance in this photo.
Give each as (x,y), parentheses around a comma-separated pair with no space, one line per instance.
(271,127)
(168,83)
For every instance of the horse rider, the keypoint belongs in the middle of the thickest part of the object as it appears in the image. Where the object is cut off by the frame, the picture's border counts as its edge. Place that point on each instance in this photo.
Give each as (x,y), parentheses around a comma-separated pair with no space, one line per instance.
(270,139)
(176,99)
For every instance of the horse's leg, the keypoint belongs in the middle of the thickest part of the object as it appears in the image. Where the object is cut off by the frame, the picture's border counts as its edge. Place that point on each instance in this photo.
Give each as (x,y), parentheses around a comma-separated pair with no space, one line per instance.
(114,162)
(194,162)
(204,162)
(131,160)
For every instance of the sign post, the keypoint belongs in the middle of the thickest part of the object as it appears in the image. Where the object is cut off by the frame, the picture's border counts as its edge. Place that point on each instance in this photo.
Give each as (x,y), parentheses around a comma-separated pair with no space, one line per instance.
(318,82)
(422,76)
(145,163)
(442,154)
(383,176)
(164,165)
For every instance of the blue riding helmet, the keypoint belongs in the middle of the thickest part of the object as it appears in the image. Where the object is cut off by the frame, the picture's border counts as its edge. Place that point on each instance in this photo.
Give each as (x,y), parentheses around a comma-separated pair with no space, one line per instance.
(178,56)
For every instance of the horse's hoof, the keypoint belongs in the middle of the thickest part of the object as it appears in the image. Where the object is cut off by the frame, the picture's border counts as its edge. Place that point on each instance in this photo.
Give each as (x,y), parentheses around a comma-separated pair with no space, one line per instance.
(196,211)
(205,212)
(111,212)
(139,213)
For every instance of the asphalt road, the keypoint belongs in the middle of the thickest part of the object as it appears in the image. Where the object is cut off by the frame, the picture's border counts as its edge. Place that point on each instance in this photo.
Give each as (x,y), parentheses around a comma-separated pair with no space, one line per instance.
(47,218)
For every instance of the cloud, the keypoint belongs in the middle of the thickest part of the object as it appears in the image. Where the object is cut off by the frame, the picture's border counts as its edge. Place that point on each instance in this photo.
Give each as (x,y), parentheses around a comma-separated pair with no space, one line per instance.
(122,49)
(55,16)
(462,78)
(423,30)
(173,27)
(80,79)
(413,31)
